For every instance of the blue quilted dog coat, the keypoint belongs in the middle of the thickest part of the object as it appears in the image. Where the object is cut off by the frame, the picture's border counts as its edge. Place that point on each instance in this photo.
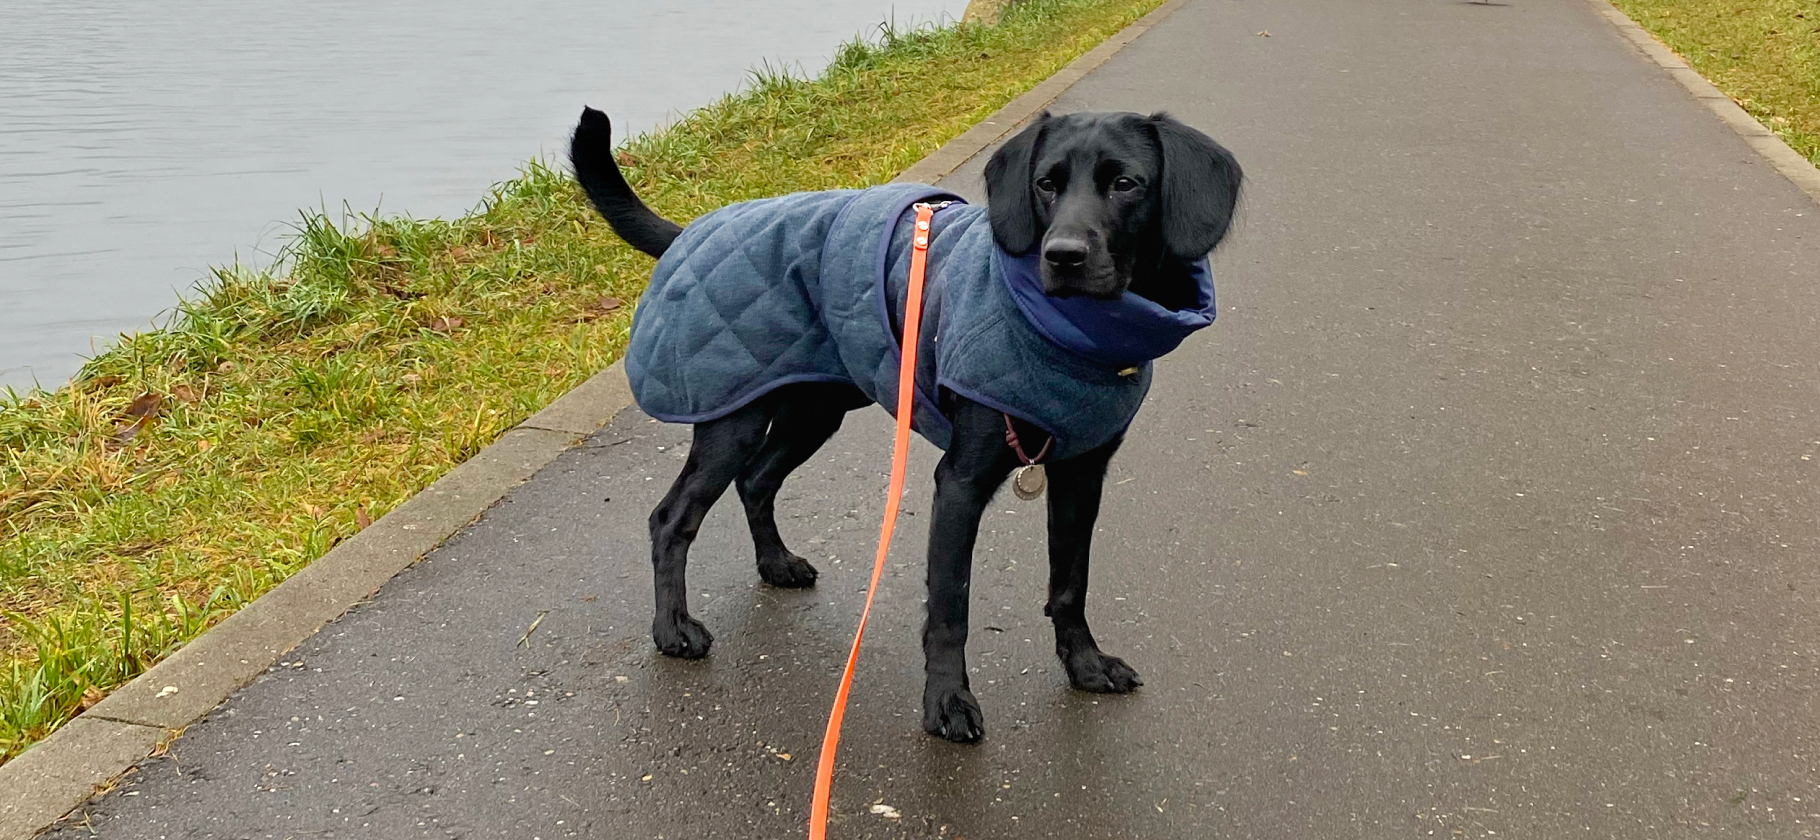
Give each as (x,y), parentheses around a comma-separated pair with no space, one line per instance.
(810,287)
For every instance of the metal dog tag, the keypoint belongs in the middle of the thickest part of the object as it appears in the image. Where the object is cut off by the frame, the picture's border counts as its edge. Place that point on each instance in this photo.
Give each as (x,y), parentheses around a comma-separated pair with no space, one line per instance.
(1028,482)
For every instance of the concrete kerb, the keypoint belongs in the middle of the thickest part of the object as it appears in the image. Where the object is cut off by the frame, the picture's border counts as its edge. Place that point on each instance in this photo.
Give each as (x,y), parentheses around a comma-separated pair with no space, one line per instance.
(1792,164)
(42,785)
(87,754)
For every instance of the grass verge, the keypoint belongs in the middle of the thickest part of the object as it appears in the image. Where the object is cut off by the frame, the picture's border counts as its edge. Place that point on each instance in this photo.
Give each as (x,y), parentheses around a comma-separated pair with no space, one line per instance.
(1765,54)
(187,470)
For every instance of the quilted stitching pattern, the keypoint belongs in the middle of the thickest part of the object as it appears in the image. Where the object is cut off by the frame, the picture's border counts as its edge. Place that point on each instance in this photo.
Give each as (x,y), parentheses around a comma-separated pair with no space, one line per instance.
(731,308)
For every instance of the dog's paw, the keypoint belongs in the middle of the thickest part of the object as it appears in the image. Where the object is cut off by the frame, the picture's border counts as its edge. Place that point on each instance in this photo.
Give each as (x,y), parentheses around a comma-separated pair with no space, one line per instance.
(682,636)
(1090,670)
(953,714)
(787,572)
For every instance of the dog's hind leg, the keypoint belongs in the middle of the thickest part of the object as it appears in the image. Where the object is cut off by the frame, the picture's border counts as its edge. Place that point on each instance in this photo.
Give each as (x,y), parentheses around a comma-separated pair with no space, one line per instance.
(807,415)
(721,449)
(1074,505)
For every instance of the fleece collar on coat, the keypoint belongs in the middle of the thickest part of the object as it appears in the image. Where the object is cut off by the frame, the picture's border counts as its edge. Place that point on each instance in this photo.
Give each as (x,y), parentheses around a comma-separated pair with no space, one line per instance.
(1122,332)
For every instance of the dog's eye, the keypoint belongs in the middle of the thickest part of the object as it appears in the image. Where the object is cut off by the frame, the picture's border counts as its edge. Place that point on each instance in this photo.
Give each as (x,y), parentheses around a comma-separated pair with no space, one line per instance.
(1123,184)
(1045,185)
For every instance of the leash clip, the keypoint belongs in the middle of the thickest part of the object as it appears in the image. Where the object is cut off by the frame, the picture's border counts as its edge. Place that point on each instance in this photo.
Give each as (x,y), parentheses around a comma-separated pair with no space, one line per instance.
(924,213)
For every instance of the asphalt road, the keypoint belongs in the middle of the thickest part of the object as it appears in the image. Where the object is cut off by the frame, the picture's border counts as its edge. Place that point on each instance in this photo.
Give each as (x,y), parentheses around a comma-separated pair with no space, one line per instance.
(1487,507)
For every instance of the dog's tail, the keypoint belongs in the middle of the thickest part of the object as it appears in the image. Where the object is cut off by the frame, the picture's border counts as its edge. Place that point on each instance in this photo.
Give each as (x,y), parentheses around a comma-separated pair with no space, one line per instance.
(591,151)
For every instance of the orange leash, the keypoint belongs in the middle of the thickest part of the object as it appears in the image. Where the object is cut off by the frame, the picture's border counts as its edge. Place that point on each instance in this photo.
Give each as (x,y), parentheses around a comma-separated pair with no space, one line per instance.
(900,456)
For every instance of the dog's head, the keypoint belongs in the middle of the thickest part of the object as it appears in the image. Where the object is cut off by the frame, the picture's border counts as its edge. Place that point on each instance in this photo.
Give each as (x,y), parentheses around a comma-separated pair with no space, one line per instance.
(1102,195)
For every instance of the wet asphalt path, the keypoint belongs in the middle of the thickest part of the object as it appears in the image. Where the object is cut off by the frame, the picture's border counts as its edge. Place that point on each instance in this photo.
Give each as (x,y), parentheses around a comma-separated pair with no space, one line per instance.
(1486,509)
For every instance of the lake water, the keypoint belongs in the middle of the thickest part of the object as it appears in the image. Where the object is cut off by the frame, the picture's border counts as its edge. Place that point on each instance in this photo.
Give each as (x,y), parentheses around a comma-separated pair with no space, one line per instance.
(141,143)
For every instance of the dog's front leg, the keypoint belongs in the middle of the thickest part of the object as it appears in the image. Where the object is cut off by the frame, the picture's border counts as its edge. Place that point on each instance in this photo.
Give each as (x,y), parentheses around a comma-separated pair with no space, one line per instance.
(975,465)
(1074,505)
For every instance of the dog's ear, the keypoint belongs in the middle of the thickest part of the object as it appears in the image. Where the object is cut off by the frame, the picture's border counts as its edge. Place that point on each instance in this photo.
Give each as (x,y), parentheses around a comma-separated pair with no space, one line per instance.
(1010,198)
(1199,188)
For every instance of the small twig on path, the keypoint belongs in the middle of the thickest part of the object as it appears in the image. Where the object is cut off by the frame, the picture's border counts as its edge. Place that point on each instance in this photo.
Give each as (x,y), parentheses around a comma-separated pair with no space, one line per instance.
(525,640)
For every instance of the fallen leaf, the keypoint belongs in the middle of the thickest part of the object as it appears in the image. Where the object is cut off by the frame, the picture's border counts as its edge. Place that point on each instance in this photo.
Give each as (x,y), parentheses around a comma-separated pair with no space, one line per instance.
(144,411)
(90,697)
(446,324)
(145,405)
(226,367)
(886,811)
(600,308)
(362,518)
(104,382)
(203,446)
(125,434)
(186,393)
(411,379)
(314,511)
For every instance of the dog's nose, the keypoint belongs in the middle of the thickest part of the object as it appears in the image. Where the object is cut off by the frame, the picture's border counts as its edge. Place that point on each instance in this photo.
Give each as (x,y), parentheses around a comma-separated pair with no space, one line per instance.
(1065,253)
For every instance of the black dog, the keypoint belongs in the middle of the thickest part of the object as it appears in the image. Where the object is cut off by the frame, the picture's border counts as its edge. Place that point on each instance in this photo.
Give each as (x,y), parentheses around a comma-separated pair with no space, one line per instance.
(1115,203)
